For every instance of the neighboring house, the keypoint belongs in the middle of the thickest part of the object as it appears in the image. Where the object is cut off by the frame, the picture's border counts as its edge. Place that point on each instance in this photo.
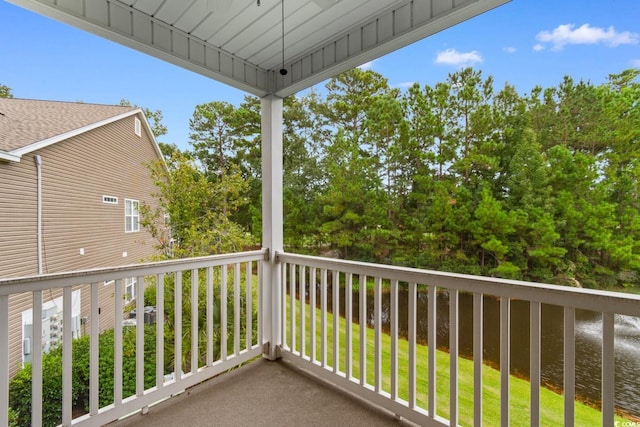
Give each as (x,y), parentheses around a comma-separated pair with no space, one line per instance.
(72,178)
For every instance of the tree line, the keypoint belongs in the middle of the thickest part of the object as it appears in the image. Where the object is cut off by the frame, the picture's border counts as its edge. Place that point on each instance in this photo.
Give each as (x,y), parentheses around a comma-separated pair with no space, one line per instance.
(456,176)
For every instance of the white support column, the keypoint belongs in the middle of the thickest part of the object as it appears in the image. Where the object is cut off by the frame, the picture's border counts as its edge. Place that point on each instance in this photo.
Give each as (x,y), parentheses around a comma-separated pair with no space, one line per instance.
(272,212)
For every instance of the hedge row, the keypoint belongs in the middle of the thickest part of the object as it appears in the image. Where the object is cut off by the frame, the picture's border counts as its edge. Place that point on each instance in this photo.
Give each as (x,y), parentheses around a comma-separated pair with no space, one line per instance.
(20,386)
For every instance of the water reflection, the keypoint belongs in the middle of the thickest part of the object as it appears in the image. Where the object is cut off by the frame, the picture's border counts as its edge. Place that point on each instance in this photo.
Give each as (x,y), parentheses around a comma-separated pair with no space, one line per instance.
(588,340)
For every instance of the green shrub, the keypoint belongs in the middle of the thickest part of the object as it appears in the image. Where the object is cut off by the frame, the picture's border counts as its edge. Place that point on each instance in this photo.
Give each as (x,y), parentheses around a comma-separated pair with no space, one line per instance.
(20,391)
(20,386)
(169,314)
(81,373)
(13,418)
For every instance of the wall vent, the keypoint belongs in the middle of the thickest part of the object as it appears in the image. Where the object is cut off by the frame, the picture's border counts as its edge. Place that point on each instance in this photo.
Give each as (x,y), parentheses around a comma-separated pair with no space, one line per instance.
(137,126)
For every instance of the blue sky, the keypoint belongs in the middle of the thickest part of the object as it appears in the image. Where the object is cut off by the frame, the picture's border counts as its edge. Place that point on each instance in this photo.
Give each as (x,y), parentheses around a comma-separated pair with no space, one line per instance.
(524,43)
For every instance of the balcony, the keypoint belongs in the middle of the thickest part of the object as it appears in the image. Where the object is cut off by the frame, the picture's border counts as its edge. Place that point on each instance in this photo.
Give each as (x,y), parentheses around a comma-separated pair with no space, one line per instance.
(434,349)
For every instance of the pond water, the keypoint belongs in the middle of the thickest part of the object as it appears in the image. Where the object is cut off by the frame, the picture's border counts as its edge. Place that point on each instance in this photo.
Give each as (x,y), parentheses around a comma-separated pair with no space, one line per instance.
(588,341)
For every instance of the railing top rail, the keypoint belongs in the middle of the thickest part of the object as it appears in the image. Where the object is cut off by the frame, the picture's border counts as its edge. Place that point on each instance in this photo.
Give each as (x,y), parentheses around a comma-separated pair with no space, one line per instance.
(586,299)
(55,280)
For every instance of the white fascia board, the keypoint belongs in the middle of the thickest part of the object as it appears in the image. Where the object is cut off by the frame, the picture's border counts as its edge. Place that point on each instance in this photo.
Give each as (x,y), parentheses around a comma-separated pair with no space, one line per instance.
(76,17)
(4,155)
(415,30)
(156,147)
(16,155)
(63,136)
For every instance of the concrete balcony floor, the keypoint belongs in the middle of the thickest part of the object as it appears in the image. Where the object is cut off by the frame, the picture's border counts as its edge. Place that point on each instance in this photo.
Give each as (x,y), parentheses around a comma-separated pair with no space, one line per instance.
(263,393)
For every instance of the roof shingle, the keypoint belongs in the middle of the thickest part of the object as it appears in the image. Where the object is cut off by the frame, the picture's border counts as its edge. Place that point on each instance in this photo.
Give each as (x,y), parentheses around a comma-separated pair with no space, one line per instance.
(25,121)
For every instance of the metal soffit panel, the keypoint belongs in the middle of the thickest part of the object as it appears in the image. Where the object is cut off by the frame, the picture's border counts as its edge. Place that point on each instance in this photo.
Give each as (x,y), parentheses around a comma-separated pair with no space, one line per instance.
(239,42)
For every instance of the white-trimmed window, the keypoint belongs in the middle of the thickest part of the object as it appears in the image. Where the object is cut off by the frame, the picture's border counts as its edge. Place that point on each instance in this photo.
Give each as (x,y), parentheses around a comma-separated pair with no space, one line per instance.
(110,200)
(129,289)
(137,126)
(131,216)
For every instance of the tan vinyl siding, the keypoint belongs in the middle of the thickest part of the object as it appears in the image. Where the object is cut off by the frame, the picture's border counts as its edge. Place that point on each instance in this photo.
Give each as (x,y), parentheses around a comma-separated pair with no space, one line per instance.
(106,298)
(17,304)
(76,174)
(18,218)
(107,305)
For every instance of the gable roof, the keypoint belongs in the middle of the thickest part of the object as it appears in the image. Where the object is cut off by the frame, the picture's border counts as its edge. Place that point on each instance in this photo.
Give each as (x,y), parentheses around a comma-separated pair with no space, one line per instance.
(27,125)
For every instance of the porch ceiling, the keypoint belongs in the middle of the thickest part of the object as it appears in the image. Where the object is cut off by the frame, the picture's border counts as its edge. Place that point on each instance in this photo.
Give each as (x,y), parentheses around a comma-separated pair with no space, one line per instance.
(239,42)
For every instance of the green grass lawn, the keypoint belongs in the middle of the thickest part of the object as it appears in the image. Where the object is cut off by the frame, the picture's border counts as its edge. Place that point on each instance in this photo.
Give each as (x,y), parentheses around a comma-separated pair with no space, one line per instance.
(551,403)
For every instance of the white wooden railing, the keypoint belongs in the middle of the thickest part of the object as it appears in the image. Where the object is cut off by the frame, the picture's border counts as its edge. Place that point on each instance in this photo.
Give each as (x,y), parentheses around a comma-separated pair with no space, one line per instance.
(314,343)
(223,276)
(311,338)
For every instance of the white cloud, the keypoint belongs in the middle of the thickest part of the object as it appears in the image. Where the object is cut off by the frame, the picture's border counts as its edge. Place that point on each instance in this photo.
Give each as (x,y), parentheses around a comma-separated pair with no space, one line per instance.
(453,57)
(405,85)
(366,66)
(538,47)
(510,49)
(635,63)
(566,34)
